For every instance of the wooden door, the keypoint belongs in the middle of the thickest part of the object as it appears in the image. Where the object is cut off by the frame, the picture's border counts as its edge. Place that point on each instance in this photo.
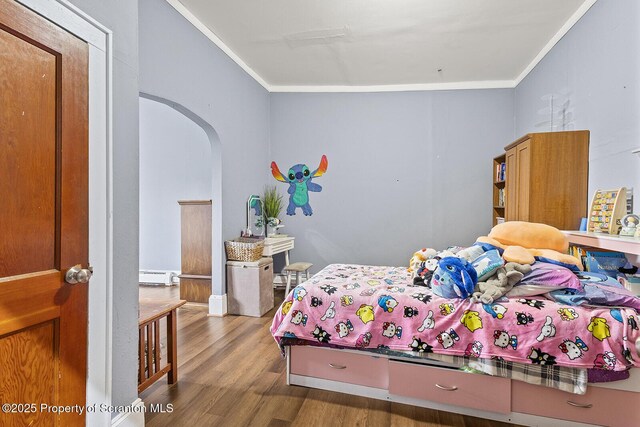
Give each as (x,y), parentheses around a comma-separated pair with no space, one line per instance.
(511,186)
(523,172)
(43,220)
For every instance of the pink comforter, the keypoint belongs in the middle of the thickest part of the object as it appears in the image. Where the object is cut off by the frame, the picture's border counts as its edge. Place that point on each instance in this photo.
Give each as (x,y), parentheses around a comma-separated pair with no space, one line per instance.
(369,306)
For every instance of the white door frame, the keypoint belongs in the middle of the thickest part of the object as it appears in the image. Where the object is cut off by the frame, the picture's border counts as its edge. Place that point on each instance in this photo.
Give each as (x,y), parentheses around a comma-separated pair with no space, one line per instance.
(99,39)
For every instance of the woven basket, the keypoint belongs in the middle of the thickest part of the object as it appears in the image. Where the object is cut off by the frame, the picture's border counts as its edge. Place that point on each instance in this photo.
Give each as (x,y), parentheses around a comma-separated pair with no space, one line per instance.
(241,249)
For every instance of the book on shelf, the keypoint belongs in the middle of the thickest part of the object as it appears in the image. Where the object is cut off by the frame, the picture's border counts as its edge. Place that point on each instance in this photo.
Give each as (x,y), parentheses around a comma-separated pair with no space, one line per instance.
(499,220)
(500,171)
(579,252)
(501,197)
(605,262)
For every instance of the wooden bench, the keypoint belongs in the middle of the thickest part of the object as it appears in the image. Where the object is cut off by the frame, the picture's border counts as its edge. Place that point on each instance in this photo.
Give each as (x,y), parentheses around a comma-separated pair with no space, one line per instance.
(150,314)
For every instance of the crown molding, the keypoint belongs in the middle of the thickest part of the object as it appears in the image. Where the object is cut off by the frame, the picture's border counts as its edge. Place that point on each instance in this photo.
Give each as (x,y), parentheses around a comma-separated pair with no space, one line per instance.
(555,39)
(182,10)
(490,84)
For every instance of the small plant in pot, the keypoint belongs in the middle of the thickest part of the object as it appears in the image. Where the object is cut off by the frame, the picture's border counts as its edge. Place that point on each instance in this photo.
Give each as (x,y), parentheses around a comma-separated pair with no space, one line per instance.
(272,207)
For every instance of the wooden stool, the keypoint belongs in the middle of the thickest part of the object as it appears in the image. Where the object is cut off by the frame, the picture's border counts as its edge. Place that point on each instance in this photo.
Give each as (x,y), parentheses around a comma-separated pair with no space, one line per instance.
(298,267)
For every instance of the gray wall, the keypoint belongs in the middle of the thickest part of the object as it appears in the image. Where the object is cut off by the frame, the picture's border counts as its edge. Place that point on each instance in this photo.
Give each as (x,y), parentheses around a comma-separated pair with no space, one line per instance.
(406,169)
(594,70)
(180,64)
(121,16)
(175,164)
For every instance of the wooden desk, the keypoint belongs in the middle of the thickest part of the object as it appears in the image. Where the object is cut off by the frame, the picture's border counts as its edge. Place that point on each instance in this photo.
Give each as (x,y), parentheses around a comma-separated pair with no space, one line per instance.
(149,316)
(276,245)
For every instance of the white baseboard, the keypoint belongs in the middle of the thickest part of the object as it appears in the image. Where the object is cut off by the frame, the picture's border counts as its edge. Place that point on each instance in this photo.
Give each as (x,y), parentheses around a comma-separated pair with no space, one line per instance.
(133,417)
(158,277)
(218,305)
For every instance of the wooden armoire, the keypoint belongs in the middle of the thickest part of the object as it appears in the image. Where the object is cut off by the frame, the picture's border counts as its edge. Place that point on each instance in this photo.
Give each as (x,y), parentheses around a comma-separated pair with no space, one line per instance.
(195,236)
(547,177)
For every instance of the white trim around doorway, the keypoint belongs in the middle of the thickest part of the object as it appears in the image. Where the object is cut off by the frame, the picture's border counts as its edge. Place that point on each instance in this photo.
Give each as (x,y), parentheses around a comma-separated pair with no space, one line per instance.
(99,38)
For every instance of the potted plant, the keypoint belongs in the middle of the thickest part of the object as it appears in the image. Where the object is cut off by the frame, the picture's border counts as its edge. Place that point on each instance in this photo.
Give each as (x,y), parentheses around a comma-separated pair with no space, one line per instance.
(272,208)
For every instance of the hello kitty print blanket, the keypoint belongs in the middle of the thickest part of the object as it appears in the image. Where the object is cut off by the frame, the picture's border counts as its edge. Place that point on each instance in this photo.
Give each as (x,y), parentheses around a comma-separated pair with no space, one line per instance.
(371,307)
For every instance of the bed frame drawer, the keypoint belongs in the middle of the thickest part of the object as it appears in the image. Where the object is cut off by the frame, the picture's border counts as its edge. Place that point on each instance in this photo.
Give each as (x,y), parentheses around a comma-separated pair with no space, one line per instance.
(449,386)
(343,366)
(598,406)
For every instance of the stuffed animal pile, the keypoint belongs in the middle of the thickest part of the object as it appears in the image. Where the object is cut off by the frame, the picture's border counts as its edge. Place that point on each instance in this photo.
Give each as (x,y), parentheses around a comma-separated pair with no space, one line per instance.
(480,273)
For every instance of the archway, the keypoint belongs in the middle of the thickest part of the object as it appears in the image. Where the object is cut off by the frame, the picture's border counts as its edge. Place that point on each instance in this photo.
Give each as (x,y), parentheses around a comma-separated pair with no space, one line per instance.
(217,305)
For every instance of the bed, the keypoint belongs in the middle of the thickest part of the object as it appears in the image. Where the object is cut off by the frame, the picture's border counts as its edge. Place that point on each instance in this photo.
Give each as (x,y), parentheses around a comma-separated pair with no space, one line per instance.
(368,330)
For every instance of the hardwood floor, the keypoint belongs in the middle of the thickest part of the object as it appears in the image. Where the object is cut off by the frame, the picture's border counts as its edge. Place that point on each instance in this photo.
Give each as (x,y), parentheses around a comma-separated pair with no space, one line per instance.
(231,373)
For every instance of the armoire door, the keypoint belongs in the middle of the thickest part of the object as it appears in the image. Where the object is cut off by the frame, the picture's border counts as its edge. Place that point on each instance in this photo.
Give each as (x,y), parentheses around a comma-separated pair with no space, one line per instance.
(511,186)
(523,171)
(43,220)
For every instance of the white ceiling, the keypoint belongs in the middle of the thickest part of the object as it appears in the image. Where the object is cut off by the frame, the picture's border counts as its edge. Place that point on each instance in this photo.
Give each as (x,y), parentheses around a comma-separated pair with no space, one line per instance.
(307,44)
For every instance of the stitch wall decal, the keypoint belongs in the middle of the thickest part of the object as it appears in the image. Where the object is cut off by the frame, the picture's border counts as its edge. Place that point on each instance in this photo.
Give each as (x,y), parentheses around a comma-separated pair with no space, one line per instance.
(299,179)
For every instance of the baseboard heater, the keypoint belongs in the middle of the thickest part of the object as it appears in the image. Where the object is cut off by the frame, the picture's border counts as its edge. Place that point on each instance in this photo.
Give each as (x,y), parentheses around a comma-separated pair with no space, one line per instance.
(150,277)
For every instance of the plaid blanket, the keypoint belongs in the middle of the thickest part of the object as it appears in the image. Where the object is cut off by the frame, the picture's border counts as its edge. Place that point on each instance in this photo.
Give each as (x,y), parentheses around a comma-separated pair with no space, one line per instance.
(572,380)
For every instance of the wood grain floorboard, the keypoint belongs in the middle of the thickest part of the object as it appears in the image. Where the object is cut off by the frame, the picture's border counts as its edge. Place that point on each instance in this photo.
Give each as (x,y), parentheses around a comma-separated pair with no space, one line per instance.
(231,373)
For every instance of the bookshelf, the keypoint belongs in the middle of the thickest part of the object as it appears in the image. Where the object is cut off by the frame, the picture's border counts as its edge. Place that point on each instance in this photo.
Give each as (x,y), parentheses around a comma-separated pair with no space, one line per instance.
(630,246)
(499,180)
(610,242)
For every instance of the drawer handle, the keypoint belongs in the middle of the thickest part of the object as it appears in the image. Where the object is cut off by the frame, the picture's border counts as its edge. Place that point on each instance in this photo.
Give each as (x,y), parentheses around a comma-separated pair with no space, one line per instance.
(445,388)
(580,405)
(334,366)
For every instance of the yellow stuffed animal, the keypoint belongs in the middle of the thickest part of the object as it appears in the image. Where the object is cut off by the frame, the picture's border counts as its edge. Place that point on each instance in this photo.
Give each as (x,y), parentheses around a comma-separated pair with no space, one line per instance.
(523,241)
(420,256)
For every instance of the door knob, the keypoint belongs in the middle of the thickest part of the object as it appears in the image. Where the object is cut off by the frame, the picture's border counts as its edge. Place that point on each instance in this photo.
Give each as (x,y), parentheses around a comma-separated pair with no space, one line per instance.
(76,274)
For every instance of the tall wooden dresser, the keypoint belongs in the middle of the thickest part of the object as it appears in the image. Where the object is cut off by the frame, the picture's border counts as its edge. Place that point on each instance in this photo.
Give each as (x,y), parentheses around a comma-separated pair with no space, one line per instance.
(547,177)
(195,229)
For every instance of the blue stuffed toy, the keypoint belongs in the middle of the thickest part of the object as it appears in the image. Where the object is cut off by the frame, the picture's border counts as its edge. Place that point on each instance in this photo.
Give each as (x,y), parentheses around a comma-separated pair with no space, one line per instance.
(454,278)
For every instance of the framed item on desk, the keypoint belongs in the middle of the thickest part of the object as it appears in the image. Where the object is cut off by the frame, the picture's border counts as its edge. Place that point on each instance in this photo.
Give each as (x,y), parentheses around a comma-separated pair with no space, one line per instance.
(630,225)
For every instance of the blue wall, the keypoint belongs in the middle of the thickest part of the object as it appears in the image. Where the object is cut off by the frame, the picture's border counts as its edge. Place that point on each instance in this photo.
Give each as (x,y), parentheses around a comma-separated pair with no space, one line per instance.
(183,66)
(175,164)
(406,169)
(594,71)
